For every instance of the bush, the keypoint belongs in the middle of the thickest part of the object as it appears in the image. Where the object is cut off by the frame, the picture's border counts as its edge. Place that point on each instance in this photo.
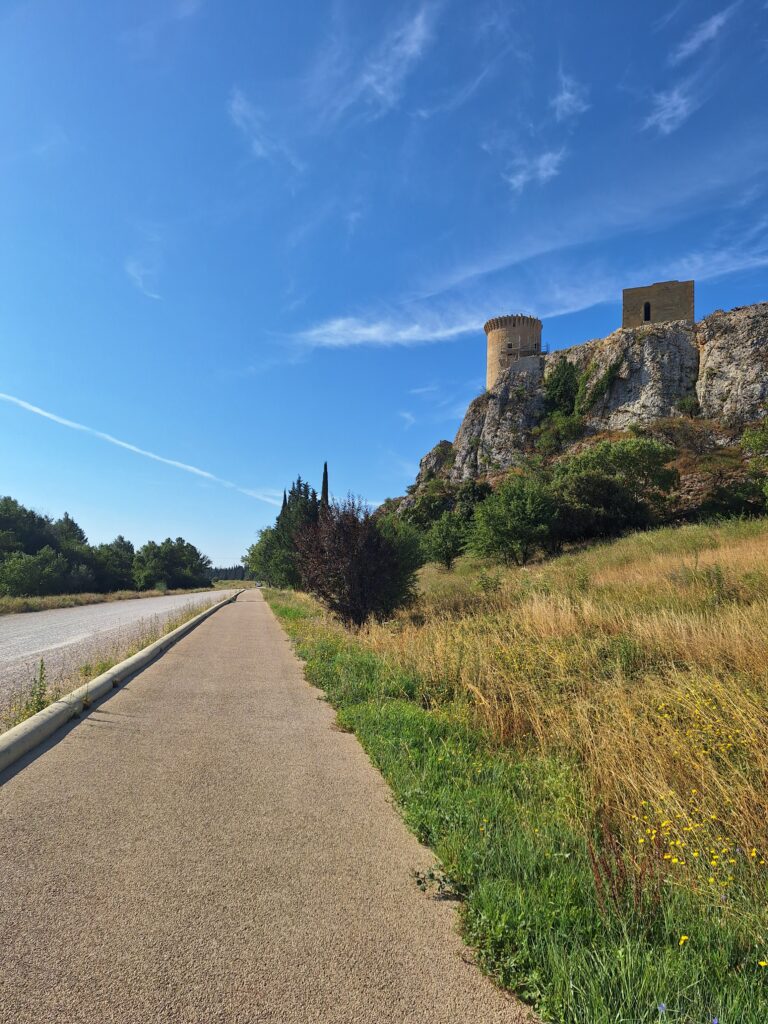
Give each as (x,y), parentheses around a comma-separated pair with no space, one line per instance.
(638,463)
(359,567)
(431,501)
(515,520)
(589,392)
(593,504)
(45,572)
(561,387)
(689,406)
(446,539)
(557,431)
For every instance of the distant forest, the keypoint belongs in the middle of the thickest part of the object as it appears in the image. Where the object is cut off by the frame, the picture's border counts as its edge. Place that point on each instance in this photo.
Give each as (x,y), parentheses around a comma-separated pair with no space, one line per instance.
(232,572)
(41,556)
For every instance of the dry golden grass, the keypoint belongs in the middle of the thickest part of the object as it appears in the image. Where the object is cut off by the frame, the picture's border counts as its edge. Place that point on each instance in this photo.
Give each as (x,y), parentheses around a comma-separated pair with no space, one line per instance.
(16,605)
(644,663)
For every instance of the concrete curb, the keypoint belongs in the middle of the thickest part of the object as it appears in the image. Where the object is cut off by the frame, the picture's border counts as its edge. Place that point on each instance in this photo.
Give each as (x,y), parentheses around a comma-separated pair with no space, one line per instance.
(24,737)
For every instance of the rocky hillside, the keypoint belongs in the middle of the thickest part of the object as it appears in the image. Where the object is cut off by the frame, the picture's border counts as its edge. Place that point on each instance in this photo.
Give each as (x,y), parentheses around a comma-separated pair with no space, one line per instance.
(703,382)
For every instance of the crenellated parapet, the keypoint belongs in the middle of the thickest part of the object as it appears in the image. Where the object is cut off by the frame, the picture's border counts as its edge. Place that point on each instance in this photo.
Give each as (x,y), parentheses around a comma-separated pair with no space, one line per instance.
(510,339)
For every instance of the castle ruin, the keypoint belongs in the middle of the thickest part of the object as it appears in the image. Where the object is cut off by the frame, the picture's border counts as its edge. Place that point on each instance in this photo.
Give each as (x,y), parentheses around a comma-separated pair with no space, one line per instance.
(657,303)
(516,339)
(511,339)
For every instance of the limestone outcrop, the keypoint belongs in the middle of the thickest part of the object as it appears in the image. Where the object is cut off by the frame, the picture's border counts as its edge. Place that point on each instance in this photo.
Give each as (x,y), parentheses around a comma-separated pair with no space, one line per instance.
(635,376)
(732,383)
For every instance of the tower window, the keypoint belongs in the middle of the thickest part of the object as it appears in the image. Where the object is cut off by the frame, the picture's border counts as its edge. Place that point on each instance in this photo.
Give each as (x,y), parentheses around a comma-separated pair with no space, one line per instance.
(646,311)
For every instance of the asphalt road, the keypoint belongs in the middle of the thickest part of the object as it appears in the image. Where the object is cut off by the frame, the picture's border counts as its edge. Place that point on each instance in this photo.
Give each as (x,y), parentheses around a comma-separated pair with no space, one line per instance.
(66,638)
(206,846)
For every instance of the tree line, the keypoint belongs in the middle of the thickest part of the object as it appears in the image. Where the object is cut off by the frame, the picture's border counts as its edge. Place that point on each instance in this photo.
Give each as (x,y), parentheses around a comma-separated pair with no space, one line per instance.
(363,564)
(229,572)
(41,556)
(360,565)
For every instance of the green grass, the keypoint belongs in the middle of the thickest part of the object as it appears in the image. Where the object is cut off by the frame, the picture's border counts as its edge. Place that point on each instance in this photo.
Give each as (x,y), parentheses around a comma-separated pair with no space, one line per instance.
(501,823)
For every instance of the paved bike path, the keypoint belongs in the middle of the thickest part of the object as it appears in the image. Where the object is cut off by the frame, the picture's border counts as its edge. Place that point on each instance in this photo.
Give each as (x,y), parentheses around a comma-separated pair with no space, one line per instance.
(205,846)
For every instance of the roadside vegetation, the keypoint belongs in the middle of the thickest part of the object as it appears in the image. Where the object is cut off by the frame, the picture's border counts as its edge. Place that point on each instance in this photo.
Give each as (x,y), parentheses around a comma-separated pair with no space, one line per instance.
(45,557)
(37,692)
(14,605)
(569,702)
(583,744)
(362,566)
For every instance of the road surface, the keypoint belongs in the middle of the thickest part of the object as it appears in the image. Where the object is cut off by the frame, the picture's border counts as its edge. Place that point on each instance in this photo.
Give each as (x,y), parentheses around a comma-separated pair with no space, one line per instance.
(66,638)
(206,846)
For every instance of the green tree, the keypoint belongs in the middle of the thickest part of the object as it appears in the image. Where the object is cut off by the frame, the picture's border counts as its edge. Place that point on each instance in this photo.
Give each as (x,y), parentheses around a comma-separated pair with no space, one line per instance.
(45,572)
(175,564)
(68,533)
(639,463)
(272,559)
(265,561)
(446,538)
(114,565)
(21,529)
(593,504)
(430,501)
(515,520)
(324,488)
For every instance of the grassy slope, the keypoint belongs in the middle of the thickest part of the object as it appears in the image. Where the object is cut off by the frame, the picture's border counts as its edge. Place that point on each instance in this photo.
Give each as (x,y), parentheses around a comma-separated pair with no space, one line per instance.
(613,699)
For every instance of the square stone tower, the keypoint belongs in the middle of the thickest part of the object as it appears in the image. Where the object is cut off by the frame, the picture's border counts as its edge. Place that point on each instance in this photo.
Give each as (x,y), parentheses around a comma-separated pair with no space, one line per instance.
(657,303)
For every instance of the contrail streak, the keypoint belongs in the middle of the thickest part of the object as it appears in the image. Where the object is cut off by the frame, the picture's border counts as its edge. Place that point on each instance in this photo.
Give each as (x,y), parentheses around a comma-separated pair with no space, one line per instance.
(260,496)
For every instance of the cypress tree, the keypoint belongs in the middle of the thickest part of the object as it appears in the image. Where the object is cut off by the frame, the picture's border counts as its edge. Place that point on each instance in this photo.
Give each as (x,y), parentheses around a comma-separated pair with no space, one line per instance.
(324,489)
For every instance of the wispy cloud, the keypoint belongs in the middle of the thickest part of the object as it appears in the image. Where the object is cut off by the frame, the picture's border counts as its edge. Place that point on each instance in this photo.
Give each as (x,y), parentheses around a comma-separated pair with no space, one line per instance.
(669,16)
(428,389)
(672,108)
(351,331)
(408,419)
(270,498)
(457,98)
(373,85)
(143,276)
(704,33)
(143,266)
(604,213)
(571,99)
(494,18)
(144,38)
(534,170)
(572,286)
(54,141)
(733,252)
(250,121)
(352,217)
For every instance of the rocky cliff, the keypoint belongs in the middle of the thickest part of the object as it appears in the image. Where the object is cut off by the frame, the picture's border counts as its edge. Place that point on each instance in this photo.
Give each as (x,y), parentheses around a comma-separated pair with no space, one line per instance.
(636,377)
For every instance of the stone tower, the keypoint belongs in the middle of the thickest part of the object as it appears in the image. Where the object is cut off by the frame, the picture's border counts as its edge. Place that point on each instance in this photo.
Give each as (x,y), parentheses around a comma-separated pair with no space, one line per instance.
(512,339)
(658,303)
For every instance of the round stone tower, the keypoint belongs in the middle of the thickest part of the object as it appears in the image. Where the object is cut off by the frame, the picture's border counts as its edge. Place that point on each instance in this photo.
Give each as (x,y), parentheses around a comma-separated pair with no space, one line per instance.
(511,339)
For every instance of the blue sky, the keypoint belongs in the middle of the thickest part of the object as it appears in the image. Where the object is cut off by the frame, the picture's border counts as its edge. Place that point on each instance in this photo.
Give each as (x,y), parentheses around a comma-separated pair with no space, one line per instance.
(248,237)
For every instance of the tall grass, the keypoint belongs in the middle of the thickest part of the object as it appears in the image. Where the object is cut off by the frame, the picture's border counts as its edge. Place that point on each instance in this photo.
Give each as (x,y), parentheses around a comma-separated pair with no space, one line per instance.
(585,744)
(644,662)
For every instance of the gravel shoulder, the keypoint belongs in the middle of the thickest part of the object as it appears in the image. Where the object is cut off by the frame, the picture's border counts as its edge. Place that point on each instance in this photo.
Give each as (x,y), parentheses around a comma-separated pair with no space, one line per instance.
(206,846)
